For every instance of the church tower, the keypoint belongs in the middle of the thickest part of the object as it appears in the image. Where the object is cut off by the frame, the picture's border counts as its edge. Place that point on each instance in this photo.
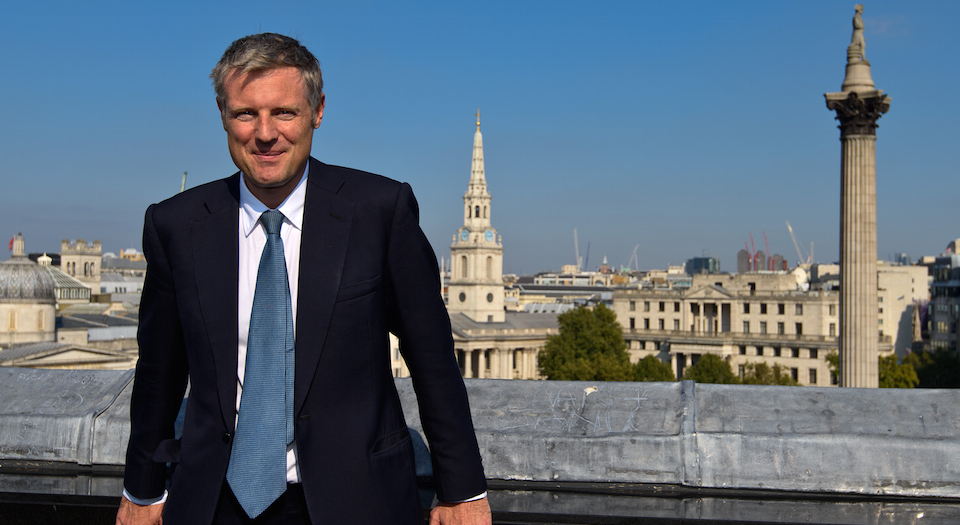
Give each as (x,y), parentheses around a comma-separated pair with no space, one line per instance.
(476,255)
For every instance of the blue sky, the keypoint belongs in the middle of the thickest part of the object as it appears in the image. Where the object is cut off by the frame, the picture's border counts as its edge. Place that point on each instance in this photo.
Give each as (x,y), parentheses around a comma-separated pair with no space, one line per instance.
(679,126)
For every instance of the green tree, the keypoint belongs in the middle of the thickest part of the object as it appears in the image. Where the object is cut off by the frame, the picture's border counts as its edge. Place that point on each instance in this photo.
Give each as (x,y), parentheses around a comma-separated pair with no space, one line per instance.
(935,369)
(652,369)
(589,347)
(897,375)
(894,375)
(762,374)
(710,368)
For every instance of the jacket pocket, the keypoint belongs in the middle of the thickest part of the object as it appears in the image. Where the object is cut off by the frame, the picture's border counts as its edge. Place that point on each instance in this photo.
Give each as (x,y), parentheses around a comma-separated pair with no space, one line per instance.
(358,289)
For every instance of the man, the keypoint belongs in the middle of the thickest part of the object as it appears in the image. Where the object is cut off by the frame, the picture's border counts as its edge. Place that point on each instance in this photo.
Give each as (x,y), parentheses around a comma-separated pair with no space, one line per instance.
(352,264)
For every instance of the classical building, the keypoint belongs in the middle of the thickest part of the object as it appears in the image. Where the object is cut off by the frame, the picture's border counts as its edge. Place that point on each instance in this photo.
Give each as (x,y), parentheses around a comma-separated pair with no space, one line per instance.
(476,255)
(82,261)
(858,104)
(27,300)
(489,342)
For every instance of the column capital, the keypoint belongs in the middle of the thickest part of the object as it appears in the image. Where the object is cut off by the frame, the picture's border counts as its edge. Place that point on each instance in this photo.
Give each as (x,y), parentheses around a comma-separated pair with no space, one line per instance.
(858,113)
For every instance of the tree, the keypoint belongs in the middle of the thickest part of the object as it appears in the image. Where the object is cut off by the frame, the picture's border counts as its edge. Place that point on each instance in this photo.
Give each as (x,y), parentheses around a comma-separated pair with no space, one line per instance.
(894,375)
(589,347)
(652,369)
(762,374)
(711,368)
(935,369)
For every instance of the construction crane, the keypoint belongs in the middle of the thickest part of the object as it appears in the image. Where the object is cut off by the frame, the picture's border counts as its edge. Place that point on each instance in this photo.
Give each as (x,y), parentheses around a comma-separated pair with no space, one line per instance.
(632,260)
(576,250)
(808,258)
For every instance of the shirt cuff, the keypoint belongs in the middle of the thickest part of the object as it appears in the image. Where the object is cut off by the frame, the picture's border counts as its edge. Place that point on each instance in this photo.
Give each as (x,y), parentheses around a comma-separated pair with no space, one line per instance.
(149,501)
(475,498)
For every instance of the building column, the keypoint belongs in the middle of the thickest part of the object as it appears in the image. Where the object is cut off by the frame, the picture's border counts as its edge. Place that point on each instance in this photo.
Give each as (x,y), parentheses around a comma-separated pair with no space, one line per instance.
(467,362)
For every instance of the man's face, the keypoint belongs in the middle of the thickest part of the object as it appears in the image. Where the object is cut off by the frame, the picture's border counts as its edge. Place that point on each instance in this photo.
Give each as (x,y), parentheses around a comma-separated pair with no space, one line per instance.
(269,125)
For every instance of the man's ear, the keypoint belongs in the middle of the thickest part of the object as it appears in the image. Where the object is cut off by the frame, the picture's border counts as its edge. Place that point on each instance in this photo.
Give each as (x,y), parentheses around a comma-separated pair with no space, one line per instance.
(318,116)
(223,120)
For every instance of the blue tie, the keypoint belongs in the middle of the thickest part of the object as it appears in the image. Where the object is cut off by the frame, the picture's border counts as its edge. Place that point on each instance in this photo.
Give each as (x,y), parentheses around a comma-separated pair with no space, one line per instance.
(257,472)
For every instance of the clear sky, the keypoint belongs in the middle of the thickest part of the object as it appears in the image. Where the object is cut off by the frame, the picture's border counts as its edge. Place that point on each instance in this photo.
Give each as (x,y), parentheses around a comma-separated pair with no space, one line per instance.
(681,127)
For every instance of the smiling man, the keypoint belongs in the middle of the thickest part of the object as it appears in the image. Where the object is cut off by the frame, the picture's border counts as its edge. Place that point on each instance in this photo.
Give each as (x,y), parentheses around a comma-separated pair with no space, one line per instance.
(273,291)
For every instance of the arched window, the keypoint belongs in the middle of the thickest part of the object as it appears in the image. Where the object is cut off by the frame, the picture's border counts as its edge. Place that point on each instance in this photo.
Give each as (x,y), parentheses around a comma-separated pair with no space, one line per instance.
(476,212)
(489,267)
(463,266)
(468,211)
(484,212)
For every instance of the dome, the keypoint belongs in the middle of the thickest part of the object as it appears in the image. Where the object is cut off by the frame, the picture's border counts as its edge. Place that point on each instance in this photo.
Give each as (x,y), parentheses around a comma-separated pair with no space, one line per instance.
(24,281)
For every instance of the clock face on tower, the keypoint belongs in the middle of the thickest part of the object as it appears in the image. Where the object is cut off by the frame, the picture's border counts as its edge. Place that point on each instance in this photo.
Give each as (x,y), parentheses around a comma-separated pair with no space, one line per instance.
(488,235)
(464,235)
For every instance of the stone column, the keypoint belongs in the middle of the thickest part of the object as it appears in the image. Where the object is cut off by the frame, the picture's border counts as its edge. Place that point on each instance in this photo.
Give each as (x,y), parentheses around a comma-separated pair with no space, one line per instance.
(467,362)
(858,106)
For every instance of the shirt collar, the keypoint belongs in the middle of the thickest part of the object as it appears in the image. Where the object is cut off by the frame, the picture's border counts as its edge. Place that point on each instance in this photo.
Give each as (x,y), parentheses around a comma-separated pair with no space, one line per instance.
(292,207)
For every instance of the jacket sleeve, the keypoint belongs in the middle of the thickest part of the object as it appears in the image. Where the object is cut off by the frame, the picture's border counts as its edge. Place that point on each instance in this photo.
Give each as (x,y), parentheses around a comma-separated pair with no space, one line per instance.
(161,375)
(417,316)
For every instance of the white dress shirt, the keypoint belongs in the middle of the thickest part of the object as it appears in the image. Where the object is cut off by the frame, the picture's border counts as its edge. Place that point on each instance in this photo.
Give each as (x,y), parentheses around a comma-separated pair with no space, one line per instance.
(252,238)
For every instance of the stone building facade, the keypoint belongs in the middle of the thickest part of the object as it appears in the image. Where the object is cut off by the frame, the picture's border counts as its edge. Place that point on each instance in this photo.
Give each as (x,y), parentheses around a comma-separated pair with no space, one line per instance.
(742,318)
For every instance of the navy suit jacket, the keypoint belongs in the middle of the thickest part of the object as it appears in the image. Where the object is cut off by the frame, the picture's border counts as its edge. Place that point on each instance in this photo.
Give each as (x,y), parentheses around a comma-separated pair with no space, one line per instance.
(365,269)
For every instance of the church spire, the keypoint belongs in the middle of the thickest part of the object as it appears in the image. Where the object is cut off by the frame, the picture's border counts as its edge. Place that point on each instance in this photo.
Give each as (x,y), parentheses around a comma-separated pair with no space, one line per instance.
(477,177)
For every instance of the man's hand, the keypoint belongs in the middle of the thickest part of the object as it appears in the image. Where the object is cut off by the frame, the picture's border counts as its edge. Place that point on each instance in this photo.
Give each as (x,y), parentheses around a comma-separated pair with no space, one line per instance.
(132,514)
(475,512)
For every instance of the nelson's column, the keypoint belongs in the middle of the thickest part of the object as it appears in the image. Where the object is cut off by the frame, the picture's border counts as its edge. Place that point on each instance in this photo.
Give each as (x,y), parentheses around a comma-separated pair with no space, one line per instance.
(858,105)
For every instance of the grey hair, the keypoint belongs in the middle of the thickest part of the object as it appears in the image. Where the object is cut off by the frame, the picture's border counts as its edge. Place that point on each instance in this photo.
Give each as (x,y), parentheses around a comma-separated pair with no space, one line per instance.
(267,51)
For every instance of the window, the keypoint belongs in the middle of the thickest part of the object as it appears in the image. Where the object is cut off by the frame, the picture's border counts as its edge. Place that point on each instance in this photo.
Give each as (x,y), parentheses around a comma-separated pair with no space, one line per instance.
(676,324)
(646,306)
(813,353)
(489,267)
(879,310)
(833,329)
(662,306)
(880,299)
(799,328)
(743,350)
(759,350)
(763,308)
(633,323)
(794,352)
(763,327)
(741,371)
(463,266)
(660,324)
(780,329)
(646,324)
(676,306)
(633,306)
(776,351)
(799,309)
(812,376)
(795,374)
(833,309)
(781,309)
(746,308)
(746,327)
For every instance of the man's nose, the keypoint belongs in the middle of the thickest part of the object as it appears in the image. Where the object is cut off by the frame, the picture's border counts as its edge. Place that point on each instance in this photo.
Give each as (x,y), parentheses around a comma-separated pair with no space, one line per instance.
(266,130)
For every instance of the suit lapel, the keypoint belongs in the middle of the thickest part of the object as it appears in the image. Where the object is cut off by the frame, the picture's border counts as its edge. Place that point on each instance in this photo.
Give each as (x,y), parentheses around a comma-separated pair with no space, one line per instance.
(327,219)
(216,250)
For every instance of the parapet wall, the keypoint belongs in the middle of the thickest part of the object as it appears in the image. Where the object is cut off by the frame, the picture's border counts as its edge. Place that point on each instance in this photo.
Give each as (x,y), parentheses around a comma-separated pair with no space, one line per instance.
(793,439)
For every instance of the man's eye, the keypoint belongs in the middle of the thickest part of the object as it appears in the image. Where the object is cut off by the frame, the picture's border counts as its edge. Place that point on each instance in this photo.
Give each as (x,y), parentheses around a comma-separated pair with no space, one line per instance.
(243,115)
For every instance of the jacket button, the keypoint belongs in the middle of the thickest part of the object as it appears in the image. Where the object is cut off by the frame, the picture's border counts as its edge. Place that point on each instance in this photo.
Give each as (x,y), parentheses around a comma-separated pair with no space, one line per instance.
(226,437)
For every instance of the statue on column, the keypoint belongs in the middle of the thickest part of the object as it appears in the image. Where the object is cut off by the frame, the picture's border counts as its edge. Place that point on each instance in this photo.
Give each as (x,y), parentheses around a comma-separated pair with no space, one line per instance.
(856,52)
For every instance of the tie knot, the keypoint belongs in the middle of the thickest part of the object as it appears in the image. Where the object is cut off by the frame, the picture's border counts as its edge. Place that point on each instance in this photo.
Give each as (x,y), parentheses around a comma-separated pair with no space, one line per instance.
(272,219)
